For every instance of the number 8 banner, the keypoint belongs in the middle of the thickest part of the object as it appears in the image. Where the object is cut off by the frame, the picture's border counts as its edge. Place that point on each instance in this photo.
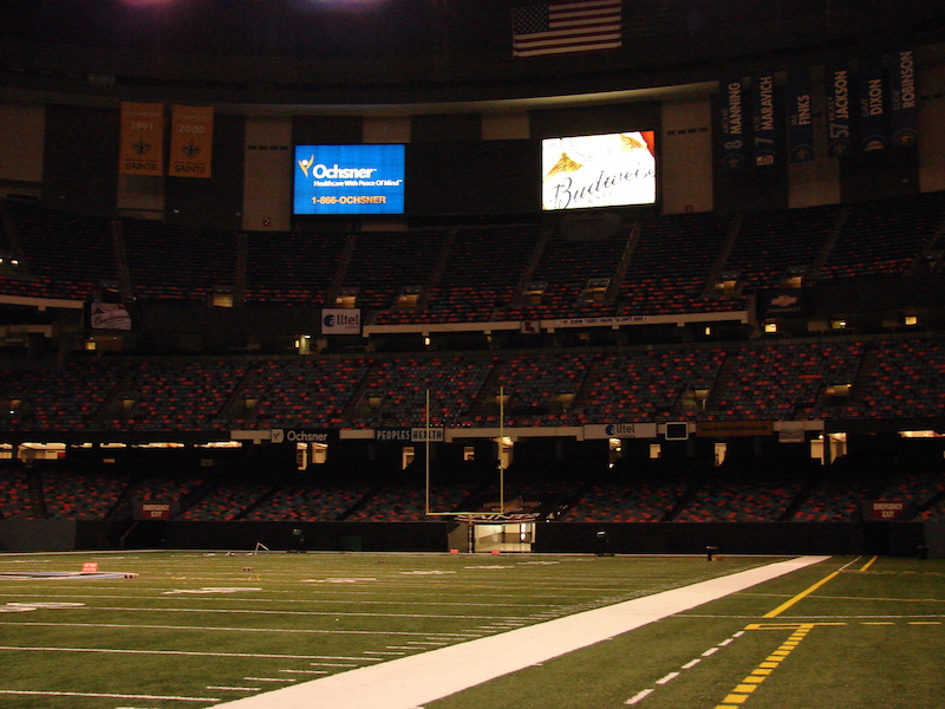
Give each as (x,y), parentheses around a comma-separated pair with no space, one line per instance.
(732,104)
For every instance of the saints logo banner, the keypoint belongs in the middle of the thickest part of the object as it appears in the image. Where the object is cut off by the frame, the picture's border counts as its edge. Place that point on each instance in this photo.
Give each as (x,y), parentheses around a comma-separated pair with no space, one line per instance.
(142,139)
(191,141)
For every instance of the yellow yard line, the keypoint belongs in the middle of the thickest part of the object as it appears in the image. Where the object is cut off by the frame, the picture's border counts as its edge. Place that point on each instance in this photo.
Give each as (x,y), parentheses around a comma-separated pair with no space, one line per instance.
(803,594)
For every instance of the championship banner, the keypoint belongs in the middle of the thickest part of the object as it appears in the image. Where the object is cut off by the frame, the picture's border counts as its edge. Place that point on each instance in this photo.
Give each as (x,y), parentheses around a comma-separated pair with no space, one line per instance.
(800,116)
(732,105)
(764,119)
(839,125)
(191,141)
(903,104)
(872,95)
(141,147)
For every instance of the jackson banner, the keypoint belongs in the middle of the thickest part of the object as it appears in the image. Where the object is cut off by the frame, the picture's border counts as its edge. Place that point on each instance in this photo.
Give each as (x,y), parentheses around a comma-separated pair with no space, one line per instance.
(903,105)
(141,150)
(839,116)
(191,141)
(764,119)
(733,137)
(872,97)
(800,116)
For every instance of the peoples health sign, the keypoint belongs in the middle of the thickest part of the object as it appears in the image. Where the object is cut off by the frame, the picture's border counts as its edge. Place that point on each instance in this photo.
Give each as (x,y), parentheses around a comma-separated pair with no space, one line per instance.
(349,179)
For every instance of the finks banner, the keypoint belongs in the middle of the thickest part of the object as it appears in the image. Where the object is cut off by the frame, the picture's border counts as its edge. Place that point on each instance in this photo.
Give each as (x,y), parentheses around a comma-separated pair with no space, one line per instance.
(142,139)
(800,116)
(191,141)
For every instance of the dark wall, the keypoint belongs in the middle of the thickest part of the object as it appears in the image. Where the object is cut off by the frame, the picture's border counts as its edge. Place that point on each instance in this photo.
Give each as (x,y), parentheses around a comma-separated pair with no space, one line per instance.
(562,122)
(217,201)
(471,178)
(80,161)
(907,539)
(897,539)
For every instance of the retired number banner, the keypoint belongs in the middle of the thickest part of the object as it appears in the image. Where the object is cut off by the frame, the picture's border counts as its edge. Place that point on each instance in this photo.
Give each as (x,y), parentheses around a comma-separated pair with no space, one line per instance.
(872,95)
(839,121)
(734,130)
(765,119)
(800,116)
(904,112)
(191,141)
(142,139)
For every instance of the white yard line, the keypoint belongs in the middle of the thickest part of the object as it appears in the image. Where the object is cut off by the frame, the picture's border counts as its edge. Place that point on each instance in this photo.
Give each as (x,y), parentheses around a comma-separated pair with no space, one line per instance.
(409,682)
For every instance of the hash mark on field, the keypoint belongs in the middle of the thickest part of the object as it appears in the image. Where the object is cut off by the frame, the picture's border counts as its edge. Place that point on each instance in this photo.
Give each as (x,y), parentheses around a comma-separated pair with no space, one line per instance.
(639,696)
(668,678)
(220,688)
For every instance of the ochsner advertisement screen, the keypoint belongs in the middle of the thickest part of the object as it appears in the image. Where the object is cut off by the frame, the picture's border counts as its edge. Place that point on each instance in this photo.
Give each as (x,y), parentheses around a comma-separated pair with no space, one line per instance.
(349,179)
(598,170)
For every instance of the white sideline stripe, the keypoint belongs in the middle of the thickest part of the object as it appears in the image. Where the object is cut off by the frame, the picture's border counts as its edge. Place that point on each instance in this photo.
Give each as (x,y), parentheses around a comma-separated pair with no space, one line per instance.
(101,695)
(226,629)
(118,651)
(410,682)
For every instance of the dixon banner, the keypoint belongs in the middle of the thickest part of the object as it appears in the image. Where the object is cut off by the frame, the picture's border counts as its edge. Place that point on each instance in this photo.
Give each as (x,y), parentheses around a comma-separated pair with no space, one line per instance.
(872,95)
(141,150)
(191,141)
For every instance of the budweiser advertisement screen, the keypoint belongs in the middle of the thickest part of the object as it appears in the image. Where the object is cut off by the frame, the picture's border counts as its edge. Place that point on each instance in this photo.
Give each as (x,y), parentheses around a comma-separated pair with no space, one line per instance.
(349,179)
(615,169)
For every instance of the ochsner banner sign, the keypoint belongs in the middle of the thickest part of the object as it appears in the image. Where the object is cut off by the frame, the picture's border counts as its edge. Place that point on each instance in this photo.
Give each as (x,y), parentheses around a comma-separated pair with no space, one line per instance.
(349,179)
(341,321)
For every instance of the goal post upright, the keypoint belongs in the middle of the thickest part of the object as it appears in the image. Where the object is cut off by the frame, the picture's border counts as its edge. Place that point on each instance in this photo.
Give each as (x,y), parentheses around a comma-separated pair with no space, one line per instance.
(499,456)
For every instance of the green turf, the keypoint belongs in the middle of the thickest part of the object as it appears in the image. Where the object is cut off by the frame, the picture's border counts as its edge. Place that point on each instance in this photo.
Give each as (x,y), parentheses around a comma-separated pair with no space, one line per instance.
(194,625)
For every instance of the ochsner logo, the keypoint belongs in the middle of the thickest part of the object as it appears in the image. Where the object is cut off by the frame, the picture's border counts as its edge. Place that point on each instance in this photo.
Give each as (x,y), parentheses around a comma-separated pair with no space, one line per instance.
(322,171)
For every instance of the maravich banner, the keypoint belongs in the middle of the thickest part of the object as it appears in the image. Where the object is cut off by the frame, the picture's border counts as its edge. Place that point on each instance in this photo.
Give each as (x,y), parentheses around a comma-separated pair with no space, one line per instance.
(191,141)
(141,149)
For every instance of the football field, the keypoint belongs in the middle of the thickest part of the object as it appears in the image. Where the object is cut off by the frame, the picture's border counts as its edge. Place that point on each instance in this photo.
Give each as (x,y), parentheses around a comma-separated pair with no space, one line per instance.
(153,630)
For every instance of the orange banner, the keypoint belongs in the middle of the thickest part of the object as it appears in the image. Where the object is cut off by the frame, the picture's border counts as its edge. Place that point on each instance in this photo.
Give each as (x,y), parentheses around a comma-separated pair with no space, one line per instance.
(142,139)
(191,141)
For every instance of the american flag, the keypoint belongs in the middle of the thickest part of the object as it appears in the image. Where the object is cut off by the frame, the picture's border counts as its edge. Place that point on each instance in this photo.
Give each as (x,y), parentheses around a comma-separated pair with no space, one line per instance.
(563,27)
